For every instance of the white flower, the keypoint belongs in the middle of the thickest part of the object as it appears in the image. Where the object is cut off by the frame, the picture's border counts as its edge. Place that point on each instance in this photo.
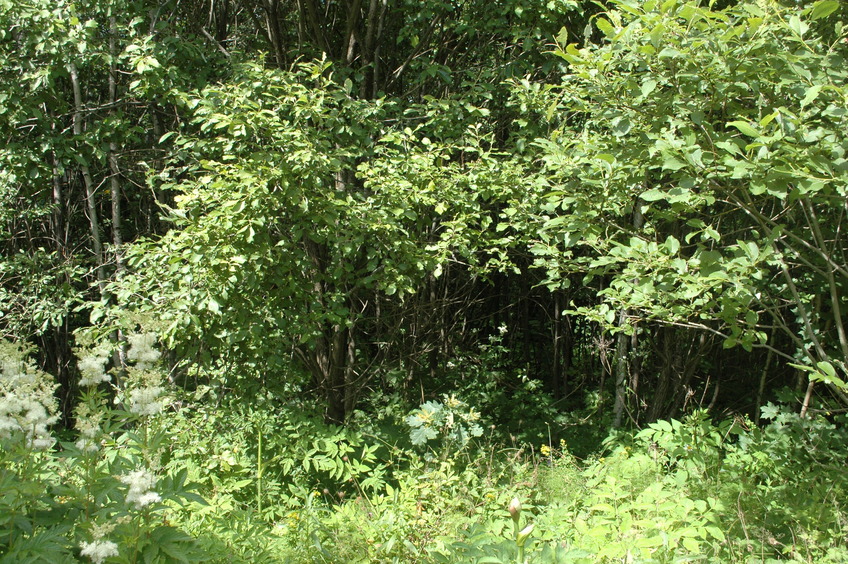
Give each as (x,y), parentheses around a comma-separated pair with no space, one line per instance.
(146,401)
(141,483)
(147,498)
(98,550)
(88,420)
(141,350)
(27,402)
(87,445)
(93,371)
(88,428)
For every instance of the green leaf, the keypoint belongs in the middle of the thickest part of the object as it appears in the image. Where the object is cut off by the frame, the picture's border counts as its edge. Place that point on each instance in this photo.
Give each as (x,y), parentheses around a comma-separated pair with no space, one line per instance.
(649,542)
(672,244)
(691,544)
(716,533)
(745,127)
(811,95)
(796,25)
(648,86)
(653,195)
(751,317)
(827,369)
(420,435)
(823,9)
(213,306)
(605,27)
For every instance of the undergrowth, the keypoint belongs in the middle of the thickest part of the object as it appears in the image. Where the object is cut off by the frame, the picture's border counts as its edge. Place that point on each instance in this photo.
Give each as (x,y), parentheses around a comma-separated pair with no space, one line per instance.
(151,473)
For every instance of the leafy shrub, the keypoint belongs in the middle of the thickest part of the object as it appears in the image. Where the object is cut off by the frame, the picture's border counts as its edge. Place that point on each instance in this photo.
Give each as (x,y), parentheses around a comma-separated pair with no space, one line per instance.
(789,480)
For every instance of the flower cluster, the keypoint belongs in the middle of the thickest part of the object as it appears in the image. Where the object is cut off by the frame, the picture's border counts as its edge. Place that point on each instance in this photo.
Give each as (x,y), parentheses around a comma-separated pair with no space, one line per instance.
(144,390)
(146,400)
(27,401)
(141,483)
(99,550)
(88,421)
(92,367)
(142,351)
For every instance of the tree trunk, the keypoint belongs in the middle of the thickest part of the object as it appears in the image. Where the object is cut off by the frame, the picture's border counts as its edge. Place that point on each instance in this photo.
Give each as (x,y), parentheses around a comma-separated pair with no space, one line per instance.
(91,207)
(665,353)
(621,343)
(556,372)
(635,373)
(114,177)
(57,218)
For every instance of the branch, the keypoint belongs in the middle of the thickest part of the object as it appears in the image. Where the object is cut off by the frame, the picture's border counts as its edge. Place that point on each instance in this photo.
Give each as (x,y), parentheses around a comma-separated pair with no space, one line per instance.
(215,41)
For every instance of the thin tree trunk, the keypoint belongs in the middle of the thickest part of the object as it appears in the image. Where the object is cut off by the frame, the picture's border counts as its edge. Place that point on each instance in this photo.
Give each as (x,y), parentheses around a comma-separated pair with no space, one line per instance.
(351,388)
(152,207)
(622,344)
(657,407)
(119,356)
(114,178)
(58,215)
(620,372)
(91,208)
(375,55)
(808,396)
(350,31)
(556,373)
(635,373)
(568,357)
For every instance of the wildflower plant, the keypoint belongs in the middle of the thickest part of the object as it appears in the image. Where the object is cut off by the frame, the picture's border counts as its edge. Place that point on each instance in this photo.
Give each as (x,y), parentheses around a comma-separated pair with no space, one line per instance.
(90,415)
(92,367)
(28,406)
(452,420)
(98,551)
(102,496)
(142,350)
(143,393)
(141,483)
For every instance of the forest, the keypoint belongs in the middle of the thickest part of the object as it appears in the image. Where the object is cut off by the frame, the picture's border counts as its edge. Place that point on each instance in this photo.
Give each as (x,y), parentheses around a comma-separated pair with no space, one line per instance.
(441,281)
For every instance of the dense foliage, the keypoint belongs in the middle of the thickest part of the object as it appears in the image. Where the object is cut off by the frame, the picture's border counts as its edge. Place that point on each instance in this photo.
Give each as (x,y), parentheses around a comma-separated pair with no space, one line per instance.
(393,281)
